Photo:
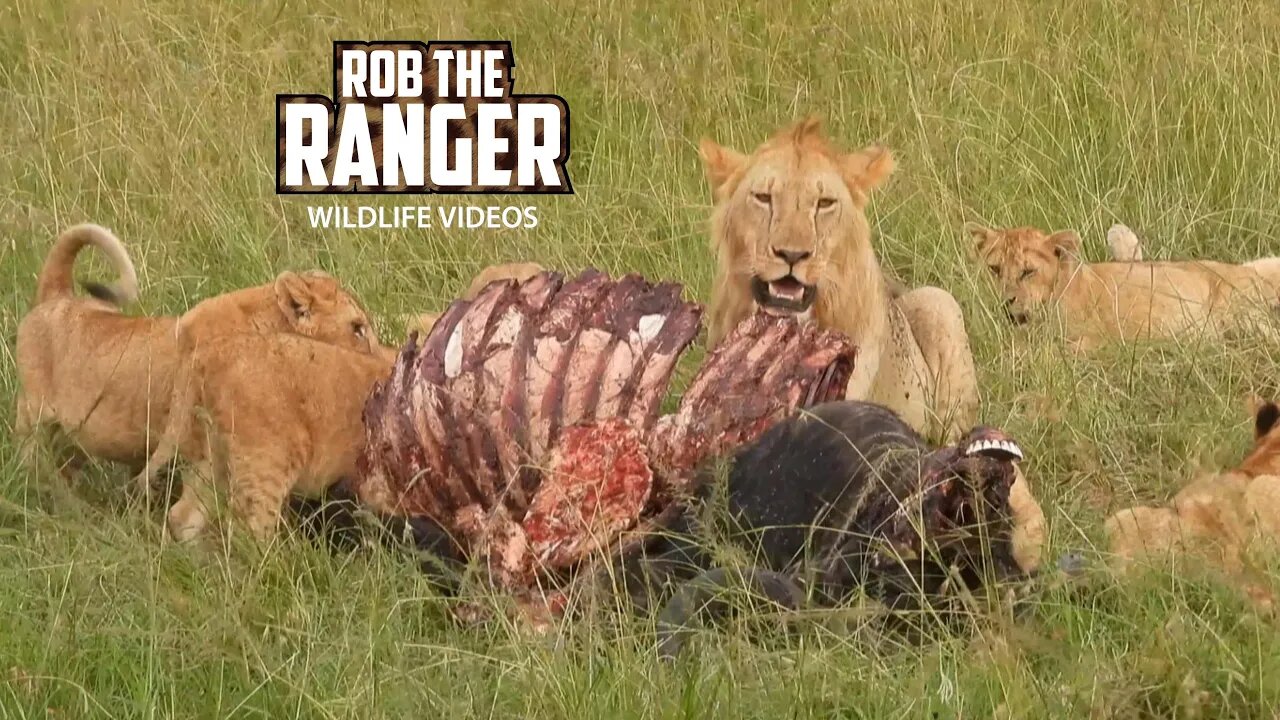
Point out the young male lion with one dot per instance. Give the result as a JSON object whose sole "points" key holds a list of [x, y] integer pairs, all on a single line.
{"points": [[790, 236], [1129, 300], [282, 414], [104, 379]]}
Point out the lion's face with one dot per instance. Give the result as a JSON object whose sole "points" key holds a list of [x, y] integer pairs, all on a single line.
{"points": [[788, 217], [1025, 263], [787, 213], [318, 307]]}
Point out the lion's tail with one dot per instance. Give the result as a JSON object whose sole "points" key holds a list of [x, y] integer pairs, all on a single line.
{"points": [[55, 277], [1124, 244]]}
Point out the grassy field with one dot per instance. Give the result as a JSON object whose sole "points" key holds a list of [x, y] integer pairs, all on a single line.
{"points": [[157, 119]]}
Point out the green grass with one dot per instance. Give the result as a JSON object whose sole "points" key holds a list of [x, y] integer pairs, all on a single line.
{"points": [[157, 119]]}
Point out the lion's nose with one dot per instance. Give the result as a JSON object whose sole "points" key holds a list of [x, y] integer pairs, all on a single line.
{"points": [[791, 257]]}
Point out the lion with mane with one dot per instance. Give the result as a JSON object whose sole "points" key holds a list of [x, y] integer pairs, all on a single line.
{"points": [[791, 236]]}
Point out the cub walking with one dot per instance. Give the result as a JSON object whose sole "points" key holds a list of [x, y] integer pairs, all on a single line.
{"points": [[103, 379], [281, 414]]}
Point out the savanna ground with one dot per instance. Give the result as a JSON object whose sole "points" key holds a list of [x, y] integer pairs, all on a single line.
{"points": [[156, 119]]}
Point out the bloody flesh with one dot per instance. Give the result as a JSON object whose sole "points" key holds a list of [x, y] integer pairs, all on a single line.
{"points": [[526, 422]]}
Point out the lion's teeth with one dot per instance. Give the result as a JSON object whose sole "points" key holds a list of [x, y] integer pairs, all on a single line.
{"points": [[787, 293]]}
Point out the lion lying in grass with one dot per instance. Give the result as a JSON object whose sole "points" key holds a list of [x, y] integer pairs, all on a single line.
{"points": [[1218, 517], [1127, 300], [790, 236], [104, 379]]}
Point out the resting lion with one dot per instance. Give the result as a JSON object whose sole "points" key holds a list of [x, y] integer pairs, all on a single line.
{"points": [[103, 379], [1219, 517], [790, 236], [1100, 302]]}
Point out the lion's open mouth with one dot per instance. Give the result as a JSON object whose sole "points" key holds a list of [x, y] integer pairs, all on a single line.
{"points": [[786, 294]]}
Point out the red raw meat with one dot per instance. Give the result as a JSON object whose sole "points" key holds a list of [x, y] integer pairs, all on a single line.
{"points": [[596, 485], [526, 423]]}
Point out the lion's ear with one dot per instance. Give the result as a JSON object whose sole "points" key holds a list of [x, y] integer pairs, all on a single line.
{"points": [[1064, 242], [982, 234], [1265, 418], [721, 164], [294, 296], [868, 168]]}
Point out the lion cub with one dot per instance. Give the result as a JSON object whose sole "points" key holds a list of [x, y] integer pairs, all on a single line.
{"points": [[1218, 516], [283, 415], [519, 272], [1128, 300], [104, 379]]}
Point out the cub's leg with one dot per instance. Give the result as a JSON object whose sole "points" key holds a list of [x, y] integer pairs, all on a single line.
{"points": [[189, 517], [24, 433], [1142, 531], [259, 484], [938, 326], [1028, 524], [33, 432]]}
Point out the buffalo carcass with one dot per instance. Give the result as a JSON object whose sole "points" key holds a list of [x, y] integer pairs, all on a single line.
{"points": [[526, 424], [844, 499]]}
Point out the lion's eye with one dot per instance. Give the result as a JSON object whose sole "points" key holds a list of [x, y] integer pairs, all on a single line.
{"points": [[826, 203], [763, 198], [1027, 273], [358, 329], [995, 269]]}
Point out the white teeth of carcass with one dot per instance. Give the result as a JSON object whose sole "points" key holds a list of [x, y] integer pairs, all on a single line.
{"points": [[1007, 446]]}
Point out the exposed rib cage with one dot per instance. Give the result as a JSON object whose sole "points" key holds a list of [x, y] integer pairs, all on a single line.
{"points": [[526, 422]]}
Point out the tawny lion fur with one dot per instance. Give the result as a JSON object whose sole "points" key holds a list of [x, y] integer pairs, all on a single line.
{"points": [[1218, 517], [281, 414], [1127, 300], [913, 347], [104, 380], [519, 272]]}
